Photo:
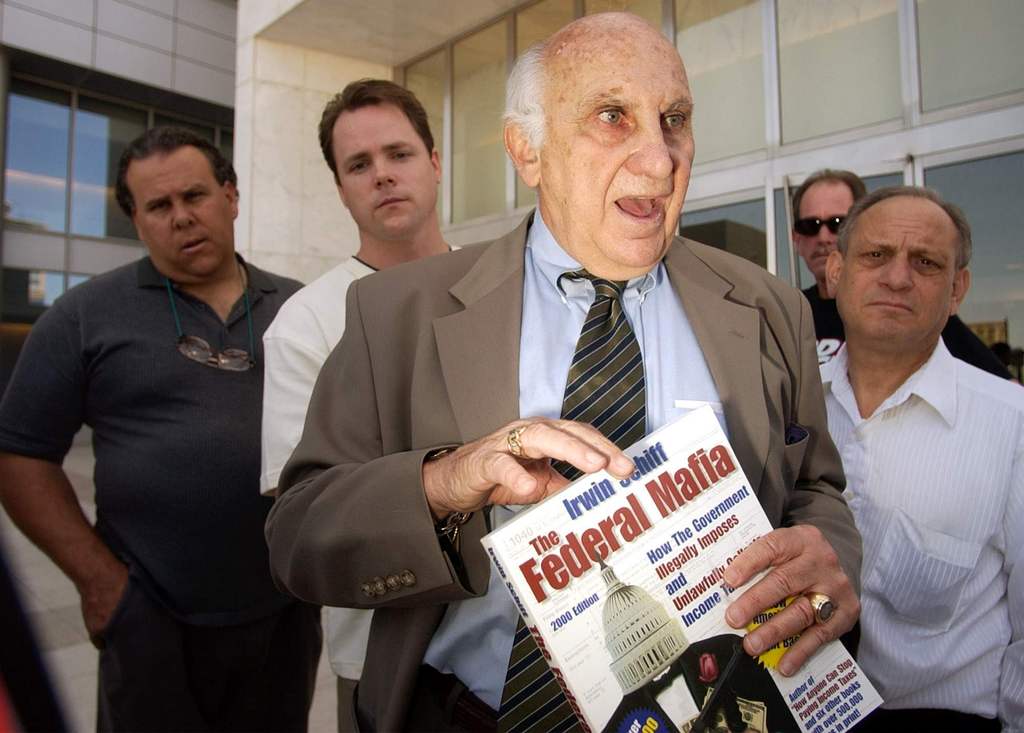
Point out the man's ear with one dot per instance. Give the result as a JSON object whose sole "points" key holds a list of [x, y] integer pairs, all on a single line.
{"points": [[833, 269], [341, 193], [961, 284], [435, 163], [231, 192], [524, 157]]}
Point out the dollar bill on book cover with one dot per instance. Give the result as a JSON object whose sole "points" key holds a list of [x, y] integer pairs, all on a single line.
{"points": [[620, 583]]}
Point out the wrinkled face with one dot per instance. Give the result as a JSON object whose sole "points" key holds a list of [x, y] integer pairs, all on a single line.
{"points": [[184, 217], [615, 162], [387, 178], [823, 200], [898, 283]]}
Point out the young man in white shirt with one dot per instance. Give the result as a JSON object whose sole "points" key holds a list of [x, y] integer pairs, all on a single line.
{"points": [[932, 448], [377, 143]]}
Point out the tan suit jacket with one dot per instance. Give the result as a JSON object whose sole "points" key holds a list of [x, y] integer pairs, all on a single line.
{"points": [[430, 358]]}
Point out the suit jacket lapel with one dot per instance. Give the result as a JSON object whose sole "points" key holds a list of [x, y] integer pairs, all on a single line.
{"points": [[479, 346], [729, 334]]}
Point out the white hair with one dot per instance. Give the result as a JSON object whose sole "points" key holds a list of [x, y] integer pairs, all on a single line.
{"points": [[524, 94]]}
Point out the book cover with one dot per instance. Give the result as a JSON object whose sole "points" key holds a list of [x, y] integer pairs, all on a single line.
{"points": [[620, 583]]}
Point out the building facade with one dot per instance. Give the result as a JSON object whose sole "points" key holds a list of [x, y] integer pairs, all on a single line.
{"points": [[80, 79], [916, 91]]}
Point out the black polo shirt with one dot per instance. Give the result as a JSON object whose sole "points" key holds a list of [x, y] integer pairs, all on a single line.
{"points": [[177, 443]]}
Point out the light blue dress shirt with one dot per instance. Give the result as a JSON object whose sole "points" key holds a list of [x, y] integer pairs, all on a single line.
{"points": [[478, 631]]}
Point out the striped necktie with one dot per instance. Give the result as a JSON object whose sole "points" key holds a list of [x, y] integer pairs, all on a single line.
{"points": [[605, 388]]}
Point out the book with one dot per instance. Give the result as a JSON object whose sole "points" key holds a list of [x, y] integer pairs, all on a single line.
{"points": [[620, 583]]}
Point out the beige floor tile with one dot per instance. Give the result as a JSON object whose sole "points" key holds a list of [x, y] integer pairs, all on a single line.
{"points": [[323, 716], [72, 662], [77, 693], [52, 602], [60, 627]]}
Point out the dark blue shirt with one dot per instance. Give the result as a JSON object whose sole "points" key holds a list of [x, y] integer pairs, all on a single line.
{"points": [[177, 443]]}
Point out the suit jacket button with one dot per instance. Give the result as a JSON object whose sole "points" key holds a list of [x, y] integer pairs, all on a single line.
{"points": [[407, 578], [379, 586], [393, 581], [368, 590]]}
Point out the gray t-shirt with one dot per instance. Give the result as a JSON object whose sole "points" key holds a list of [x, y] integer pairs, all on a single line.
{"points": [[177, 443]]}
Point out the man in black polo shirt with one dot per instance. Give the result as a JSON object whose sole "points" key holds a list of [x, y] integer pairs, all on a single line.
{"points": [[819, 206], [163, 360]]}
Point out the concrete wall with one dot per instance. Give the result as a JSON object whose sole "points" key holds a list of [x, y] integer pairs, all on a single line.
{"points": [[291, 220], [187, 46]]}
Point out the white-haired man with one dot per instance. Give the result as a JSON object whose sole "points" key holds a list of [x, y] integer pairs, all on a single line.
{"points": [[449, 396], [932, 449]]}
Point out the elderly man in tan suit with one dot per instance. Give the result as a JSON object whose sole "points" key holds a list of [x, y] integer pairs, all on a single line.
{"points": [[455, 395]]}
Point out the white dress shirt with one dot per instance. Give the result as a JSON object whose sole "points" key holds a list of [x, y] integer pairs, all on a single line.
{"points": [[936, 484], [304, 332]]}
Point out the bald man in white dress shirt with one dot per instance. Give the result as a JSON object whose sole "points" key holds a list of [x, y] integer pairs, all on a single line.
{"points": [[932, 448]]}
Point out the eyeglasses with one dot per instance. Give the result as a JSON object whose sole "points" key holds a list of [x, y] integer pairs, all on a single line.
{"points": [[232, 360], [198, 350], [812, 225]]}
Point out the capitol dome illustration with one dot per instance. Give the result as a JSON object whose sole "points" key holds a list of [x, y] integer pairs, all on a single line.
{"points": [[639, 633]]}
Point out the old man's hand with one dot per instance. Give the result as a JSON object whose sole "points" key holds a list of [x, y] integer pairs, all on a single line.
{"points": [[512, 465], [800, 561]]}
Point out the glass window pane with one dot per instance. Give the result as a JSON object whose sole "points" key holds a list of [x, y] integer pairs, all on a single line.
{"points": [[425, 79], [720, 42], [202, 130], [839, 65], [969, 50], [737, 228], [44, 287], [783, 249], [782, 229], [35, 182], [539, 21], [987, 190], [478, 99], [227, 144], [76, 278], [102, 132], [12, 338], [27, 293], [649, 10], [533, 25]]}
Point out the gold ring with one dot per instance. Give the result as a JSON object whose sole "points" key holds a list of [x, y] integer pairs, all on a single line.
{"points": [[824, 607], [515, 447]]}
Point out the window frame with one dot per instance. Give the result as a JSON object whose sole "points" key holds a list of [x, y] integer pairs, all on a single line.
{"points": [[905, 144], [25, 248]]}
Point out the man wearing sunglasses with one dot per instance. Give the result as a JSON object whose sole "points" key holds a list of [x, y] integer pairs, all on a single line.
{"points": [[820, 206], [162, 359]]}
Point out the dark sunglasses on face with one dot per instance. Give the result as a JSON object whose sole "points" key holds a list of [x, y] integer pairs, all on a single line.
{"points": [[812, 225]]}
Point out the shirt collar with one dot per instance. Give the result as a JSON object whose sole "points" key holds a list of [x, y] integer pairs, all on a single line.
{"points": [[552, 261], [934, 383], [149, 277]]}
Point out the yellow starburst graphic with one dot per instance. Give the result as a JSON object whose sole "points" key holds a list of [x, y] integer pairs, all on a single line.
{"points": [[770, 657]]}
